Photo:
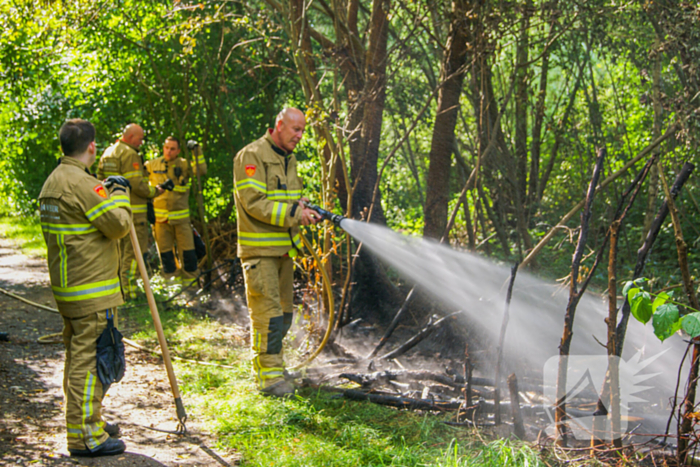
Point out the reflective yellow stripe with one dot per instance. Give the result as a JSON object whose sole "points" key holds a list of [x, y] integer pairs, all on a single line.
{"points": [[297, 241], [63, 261], [121, 200], [88, 392], [181, 188], [264, 239], [279, 210], [131, 280], [139, 208], [86, 291], [103, 207], [161, 213], [200, 159], [133, 174], [278, 195], [251, 183], [67, 229], [109, 174], [179, 214], [151, 191]]}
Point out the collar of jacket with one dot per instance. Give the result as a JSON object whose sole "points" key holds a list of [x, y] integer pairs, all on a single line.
{"points": [[128, 145], [275, 148], [65, 160]]}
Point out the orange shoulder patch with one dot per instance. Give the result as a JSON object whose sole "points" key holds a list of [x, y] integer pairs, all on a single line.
{"points": [[250, 170], [136, 165], [100, 190]]}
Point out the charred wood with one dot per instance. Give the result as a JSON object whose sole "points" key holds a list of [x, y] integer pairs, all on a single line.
{"points": [[518, 427], [501, 340], [401, 402], [415, 340]]}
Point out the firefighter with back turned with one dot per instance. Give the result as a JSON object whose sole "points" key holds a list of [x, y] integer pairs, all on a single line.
{"points": [[122, 158], [82, 220]]}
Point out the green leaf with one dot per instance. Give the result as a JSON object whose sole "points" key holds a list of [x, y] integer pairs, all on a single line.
{"points": [[666, 321], [640, 306], [631, 293], [627, 288], [660, 300], [691, 324]]}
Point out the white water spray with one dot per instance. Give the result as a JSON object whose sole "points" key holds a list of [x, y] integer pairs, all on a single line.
{"points": [[477, 286]]}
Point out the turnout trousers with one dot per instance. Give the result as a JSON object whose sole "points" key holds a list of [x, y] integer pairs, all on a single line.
{"points": [[269, 291], [81, 386], [129, 270], [184, 263]]}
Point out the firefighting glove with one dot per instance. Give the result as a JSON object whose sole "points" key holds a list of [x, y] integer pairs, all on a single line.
{"points": [[116, 182], [191, 144], [167, 185]]}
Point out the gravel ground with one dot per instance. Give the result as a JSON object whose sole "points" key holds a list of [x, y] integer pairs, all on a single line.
{"points": [[32, 429]]}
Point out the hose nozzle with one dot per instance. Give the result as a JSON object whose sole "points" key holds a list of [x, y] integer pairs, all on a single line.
{"points": [[327, 215]]}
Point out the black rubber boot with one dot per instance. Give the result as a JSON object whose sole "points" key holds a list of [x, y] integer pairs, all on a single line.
{"points": [[111, 447]]}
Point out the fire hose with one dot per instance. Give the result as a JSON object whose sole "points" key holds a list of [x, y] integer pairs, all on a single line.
{"points": [[336, 219]]}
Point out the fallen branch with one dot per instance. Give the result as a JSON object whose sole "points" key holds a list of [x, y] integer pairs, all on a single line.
{"points": [[383, 377], [401, 402], [415, 340]]}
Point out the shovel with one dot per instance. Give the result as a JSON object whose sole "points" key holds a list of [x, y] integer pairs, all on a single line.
{"points": [[181, 414]]}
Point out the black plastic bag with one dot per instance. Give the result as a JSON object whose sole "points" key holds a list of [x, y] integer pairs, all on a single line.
{"points": [[111, 362], [200, 249]]}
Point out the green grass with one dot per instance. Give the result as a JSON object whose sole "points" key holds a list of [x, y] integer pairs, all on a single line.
{"points": [[315, 428], [25, 232]]}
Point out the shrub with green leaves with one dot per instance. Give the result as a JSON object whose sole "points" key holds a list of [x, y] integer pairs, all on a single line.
{"points": [[663, 311]]}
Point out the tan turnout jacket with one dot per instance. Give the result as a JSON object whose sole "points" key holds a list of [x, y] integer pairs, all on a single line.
{"points": [[267, 190], [173, 206], [82, 222], [123, 159]]}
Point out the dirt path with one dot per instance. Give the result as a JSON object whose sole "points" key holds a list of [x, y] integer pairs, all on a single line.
{"points": [[32, 429]]}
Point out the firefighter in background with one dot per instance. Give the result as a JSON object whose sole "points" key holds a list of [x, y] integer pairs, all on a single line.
{"points": [[173, 228], [123, 158], [267, 194], [82, 221]]}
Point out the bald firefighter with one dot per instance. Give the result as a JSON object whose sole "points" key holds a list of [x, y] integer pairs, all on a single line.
{"points": [[123, 158], [267, 194], [82, 221], [172, 209]]}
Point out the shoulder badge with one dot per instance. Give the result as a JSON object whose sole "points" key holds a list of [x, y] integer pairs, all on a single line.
{"points": [[136, 165], [100, 190], [250, 170]]}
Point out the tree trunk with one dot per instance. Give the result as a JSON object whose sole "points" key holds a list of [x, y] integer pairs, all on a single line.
{"points": [[533, 190], [438, 186], [653, 189], [521, 106], [688, 408], [364, 163], [574, 297]]}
